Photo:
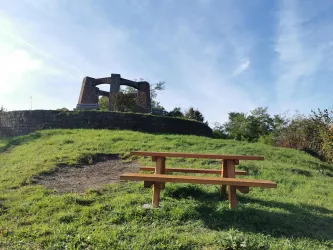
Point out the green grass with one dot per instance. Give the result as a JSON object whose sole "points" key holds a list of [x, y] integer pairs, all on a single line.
{"points": [[296, 215]]}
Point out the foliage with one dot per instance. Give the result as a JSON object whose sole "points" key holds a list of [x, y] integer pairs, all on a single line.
{"points": [[157, 108], [63, 109], [219, 131], [296, 215], [104, 103], [301, 133], [267, 139], [324, 121], [251, 127], [327, 144], [155, 88], [310, 134], [3, 109], [125, 100], [194, 114], [176, 112]]}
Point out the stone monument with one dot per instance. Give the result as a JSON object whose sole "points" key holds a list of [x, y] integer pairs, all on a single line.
{"points": [[90, 93]]}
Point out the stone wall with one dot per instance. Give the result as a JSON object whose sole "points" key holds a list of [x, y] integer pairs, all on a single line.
{"points": [[23, 122]]}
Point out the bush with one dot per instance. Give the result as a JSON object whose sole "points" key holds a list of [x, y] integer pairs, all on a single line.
{"points": [[267, 139], [327, 145]]}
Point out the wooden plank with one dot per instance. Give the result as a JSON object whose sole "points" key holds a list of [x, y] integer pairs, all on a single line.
{"points": [[224, 173], [198, 180], [232, 189], [203, 156], [192, 170]]}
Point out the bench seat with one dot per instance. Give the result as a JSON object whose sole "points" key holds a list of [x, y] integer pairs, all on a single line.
{"points": [[198, 180], [193, 170]]}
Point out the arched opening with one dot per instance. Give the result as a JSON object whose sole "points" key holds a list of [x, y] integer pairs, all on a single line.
{"points": [[134, 97]]}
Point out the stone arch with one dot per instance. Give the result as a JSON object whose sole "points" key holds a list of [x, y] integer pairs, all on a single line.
{"points": [[90, 93]]}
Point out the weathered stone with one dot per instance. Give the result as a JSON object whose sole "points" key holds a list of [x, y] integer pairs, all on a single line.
{"points": [[23, 122], [90, 93]]}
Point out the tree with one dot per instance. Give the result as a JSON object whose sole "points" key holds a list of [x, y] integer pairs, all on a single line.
{"points": [[125, 100], [155, 88], [252, 126], [176, 112], [63, 109], [3, 109], [259, 123], [104, 103], [236, 126], [194, 114], [219, 131]]}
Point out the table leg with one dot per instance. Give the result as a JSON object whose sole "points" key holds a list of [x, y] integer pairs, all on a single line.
{"points": [[160, 169], [224, 173], [232, 189]]}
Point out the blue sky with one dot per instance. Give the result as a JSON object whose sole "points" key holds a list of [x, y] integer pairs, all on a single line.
{"points": [[217, 56]]}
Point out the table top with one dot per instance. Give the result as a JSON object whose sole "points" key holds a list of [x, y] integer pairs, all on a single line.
{"points": [[194, 155]]}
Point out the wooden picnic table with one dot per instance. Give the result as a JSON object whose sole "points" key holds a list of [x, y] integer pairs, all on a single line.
{"points": [[227, 174]]}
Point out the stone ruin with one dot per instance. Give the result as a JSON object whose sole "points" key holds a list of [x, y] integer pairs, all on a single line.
{"points": [[90, 93]]}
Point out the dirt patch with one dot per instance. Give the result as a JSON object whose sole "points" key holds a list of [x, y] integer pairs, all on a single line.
{"points": [[79, 178]]}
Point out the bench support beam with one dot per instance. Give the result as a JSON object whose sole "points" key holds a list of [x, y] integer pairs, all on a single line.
{"points": [[232, 189], [192, 170], [158, 186], [224, 173]]}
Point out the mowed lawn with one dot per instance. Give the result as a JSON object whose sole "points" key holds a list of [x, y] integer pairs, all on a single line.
{"points": [[296, 215]]}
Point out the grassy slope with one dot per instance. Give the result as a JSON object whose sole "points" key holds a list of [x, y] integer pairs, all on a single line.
{"points": [[296, 215]]}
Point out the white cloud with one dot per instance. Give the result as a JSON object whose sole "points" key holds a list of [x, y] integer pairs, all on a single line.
{"points": [[244, 65], [301, 53]]}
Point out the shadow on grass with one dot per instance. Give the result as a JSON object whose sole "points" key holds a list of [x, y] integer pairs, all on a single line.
{"points": [[19, 140], [273, 218], [3, 208]]}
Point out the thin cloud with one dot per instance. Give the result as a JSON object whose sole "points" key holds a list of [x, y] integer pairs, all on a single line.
{"points": [[242, 67], [300, 55]]}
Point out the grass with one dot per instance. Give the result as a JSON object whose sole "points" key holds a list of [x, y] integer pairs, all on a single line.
{"points": [[296, 215]]}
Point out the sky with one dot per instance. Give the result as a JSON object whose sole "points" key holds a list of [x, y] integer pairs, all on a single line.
{"points": [[217, 56]]}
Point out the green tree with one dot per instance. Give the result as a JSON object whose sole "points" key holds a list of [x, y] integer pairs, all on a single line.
{"points": [[194, 114], [104, 103], [176, 112], [63, 109], [219, 131], [252, 126], [259, 123], [125, 100], [236, 125]]}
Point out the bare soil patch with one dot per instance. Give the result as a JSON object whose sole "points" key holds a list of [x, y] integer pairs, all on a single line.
{"points": [[77, 179]]}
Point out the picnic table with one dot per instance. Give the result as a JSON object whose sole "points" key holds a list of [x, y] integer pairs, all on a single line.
{"points": [[227, 174]]}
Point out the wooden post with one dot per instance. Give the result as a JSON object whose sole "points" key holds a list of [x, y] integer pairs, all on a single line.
{"points": [[224, 173], [232, 189], [244, 190], [161, 162], [160, 169]]}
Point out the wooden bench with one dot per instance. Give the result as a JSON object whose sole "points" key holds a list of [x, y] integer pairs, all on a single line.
{"points": [[148, 184], [227, 173], [192, 170]]}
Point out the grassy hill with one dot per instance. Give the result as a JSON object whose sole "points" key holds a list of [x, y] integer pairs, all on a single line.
{"points": [[296, 215]]}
